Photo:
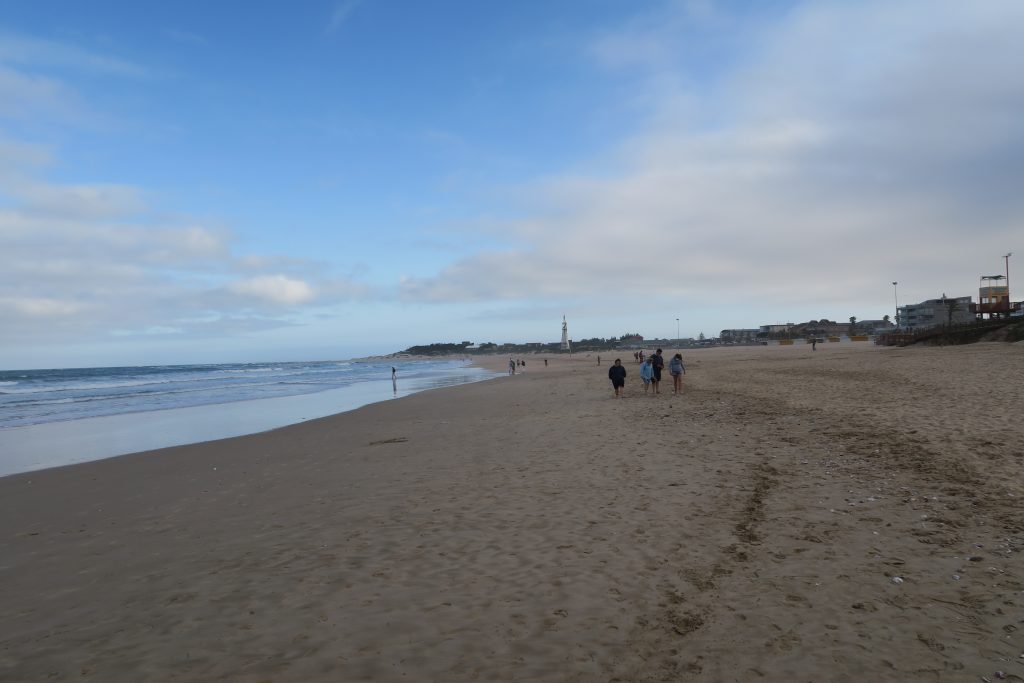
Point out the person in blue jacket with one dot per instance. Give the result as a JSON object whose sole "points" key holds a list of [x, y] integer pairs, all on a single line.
{"points": [[617, 374], [646, 374]]}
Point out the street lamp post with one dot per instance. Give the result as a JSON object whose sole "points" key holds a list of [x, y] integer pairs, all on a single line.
{"points": [[677, 333], [897, 300], [1009, 301]]}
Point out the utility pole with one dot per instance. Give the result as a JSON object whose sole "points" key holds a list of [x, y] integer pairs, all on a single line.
{"points": [[897, 299]]}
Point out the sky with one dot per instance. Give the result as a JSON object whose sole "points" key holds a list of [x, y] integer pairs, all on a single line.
{"points": [[196, 182]]}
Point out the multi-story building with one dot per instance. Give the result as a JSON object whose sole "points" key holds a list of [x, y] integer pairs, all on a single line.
{"points": [[737, 335], [936, 312], [993, 296]]}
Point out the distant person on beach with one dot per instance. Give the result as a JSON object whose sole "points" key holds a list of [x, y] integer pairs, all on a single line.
{"points": [[814, 345], [657, 364], [545, 362], [641, 355], [646, 373], [599, 360], [393, 373], [511, 366], [677, 370], [617, 374]]}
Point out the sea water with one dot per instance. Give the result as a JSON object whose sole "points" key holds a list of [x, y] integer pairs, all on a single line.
{"points": [[57, 417]]}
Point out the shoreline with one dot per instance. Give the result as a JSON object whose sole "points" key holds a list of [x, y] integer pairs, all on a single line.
{"points": [[537, 528], [36, 447]]}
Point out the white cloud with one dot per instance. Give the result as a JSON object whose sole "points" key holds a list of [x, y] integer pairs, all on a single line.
{"points": [[33, 75], [23, 96], [35, 52], [82, 201], [20, 155], [36, 307], [278, 289], [152, 331]]}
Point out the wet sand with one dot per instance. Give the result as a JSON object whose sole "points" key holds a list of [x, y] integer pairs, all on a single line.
{"points": [[535, 528]]}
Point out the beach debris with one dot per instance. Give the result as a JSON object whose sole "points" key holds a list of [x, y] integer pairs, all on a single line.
{"points": [[897, 580], [397, 439], [956, 577]]}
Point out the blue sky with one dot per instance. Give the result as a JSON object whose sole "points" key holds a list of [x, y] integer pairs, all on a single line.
{"points": [[208, 182]]}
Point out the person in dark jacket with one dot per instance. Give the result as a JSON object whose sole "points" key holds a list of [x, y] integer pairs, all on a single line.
{"points": [[657, 363], [617, 374]]}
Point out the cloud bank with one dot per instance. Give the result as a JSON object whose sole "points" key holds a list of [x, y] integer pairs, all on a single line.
{"points": [[846, 145], [87, 262], [80, 261]]}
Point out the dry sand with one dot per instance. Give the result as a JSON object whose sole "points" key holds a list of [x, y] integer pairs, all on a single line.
{"points": [[535, 528]]}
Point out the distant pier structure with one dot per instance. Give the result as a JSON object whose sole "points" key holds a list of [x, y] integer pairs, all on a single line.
{"points": [[566, 346]]}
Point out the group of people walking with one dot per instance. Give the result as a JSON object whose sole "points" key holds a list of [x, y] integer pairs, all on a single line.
{"points": [[520, 364], [650, 373]]}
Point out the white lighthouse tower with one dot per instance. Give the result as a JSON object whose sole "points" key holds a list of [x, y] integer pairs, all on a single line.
{"points": [[565, 336]]}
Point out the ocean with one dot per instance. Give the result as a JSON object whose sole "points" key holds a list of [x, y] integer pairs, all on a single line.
{"points": [[57, 417]]}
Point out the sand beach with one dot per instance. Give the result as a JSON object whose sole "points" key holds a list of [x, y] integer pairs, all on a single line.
{"points": [[850, 514]]}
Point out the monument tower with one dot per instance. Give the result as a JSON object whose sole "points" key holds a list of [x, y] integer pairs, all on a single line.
{"points": [[565, 336]]}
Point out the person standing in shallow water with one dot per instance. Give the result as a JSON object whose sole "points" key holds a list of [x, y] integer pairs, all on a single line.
{"points": [[617, 374], [677, 370]]}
